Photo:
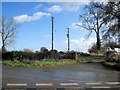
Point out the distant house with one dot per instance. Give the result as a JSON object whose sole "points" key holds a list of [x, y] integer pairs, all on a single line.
{"points": [[110, 49], [117, 50]]}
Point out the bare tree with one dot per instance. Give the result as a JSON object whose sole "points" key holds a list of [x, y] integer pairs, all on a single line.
{"points": [[112, 16], [8, 31], [112, 45], [92, 21]]}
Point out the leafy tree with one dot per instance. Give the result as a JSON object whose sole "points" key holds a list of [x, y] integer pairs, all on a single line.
{"points": [[112, 45], [36, 51], [27, 50], [61, 52], [92, 21], [44, 49], [54, 51], [93, 49], [7, 31]]}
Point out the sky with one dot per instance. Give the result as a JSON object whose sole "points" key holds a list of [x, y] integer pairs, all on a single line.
{"points": [[35, 19]]}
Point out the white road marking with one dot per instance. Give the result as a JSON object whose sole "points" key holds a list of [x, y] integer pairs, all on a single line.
{"points": [[44, 84], [93, 83], [16, 84], [113, 82], [69, 84], [102, 87]]}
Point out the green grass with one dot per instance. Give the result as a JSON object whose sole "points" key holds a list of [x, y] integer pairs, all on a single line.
{"points": [[34, 63], [47, 62], [94, 58], [110, 63], [0, 62]]}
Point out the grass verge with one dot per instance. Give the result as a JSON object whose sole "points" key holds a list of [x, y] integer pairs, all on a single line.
{"points": [[112, 65], [50, 62], [37, 63], [0, 62], [93, 58]]}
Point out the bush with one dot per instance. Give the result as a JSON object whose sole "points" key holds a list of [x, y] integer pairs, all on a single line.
{"points": [[19, 55], [26, 61], [23, 56], [36, 63], [67, 56], [112, 56]]}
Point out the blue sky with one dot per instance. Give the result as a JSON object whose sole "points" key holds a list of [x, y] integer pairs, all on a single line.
{"points": [[35, 29]]}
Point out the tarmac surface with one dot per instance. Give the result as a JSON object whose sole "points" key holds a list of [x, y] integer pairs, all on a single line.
{"points": [[77, 75]]}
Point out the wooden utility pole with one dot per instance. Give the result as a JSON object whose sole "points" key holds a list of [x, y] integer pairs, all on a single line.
{"points": [[68, 41], [52, 32]]}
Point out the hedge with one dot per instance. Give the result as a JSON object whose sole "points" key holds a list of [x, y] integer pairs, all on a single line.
{"points": [[20, 55]]}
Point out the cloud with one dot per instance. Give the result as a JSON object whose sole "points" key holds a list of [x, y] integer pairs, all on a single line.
{"points": [[76, 25], [73, 6], [38, 6], [25, 17], [92, 25], [82, 44], [55, 9], [109, 24]]}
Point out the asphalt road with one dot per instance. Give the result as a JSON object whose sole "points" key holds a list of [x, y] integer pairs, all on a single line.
{"points": [[78, 75]]}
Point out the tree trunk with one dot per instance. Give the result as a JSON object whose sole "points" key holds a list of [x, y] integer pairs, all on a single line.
{"points": [[98, 36], [119, 30], [3, 47], [98, 42]]}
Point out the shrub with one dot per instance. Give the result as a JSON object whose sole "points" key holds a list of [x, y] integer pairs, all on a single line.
{"points": [[36, 63], [26, 61], [19, 55], [112, 56]]}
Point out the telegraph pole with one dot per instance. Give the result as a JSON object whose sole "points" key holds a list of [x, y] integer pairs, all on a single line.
{"points": [[52, 32], [68, 40]]}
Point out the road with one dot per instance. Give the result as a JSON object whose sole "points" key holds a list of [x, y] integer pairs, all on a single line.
{"points": [[81, 75]]}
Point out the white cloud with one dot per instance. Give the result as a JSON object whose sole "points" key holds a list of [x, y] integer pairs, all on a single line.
{"points": [[72, 6], [38, 6], [82, 44], [36, 16], [110, 24], [77, 25], [55, 9]]}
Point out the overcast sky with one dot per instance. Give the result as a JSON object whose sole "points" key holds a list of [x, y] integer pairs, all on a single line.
{"points": [[35, 31]]}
